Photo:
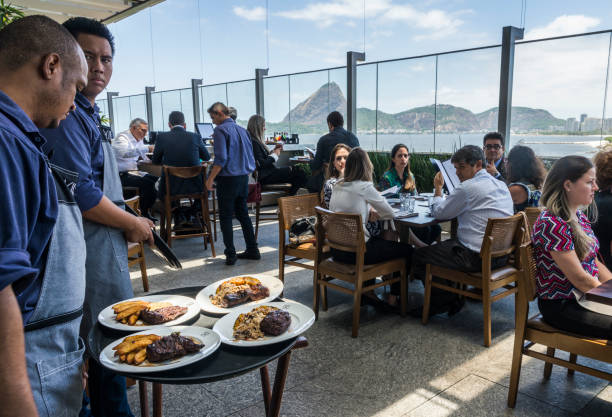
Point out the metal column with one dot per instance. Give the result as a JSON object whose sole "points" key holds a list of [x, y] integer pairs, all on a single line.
{"points": [[111, 112], [149, 105], [351, 89], [259, 90], [509, 36], [195, 98]]}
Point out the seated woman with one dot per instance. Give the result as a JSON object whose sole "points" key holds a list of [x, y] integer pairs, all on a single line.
{"points": [[565, 250], [355, 193], [400, 175], [525, 177], [335, 170], [603, 198], [265, 161]]}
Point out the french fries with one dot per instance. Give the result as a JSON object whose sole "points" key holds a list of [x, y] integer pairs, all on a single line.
{"points": [[128, 312], [133, 349]]}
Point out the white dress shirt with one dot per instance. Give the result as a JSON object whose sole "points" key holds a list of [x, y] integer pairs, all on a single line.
{"points": [[127, 151], [474, 202], [356, 197]]}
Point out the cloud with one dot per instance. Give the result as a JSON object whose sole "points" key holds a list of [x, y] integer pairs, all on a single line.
{"points": [[325, 14], [564, 25], [256, 13], [438, 22]]}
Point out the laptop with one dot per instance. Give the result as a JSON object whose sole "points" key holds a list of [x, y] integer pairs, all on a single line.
{"points": [[205, 130]]}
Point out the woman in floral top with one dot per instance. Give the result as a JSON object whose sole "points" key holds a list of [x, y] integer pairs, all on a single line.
{"points": [[565, 250]]}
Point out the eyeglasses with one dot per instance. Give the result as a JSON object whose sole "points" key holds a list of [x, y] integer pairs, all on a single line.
{"points": [[495, 146]]}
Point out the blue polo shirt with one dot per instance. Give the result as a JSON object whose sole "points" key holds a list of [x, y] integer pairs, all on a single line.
{"points": [[233, 149], [28, 208], [77, 146]]}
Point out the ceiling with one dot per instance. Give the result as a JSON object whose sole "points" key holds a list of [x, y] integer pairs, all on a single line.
{"points": [[107, 11]]}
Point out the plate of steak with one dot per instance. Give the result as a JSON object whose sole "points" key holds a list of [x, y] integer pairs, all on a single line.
{"points": [[160, 349], [225, 295]]}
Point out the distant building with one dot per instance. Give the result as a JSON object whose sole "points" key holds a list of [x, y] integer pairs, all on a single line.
{"points": [[571, 125]]}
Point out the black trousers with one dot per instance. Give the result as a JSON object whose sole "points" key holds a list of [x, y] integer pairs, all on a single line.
{"points": [[293, 175], [232, 197], [570, 316], [378, 250], [450, 254], [146, 188]]}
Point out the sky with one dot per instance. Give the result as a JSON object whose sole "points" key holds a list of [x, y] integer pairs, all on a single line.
{"points": [[167, 45]]}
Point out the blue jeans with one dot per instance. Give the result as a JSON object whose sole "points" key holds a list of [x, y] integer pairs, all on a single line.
{"points": [[108, 393], [232, 195]]}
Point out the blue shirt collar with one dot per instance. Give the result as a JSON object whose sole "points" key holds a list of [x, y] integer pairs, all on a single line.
{"points": [[228, 120], [82, 102], [498, 162], [11, 110]]}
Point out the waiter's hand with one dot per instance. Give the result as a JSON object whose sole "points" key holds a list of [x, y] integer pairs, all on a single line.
{"points": [[210, 182], [151, 148], [140, 231]]}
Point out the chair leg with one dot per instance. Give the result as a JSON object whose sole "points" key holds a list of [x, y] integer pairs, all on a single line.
{"points": [[427, 296], [315, 295], [208, 235], [143, 269], [257, 209], [214, 214], [169, 230], [550, 351], [515, 371], [324, 290], [486, 306], [404, 292], [572, 359], [356, 306]]}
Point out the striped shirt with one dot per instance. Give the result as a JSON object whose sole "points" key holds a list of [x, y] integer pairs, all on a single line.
{"points": [[552, 233], [473, 203]]}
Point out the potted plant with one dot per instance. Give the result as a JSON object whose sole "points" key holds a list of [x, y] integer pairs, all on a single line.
{"points": [[9, 13]]}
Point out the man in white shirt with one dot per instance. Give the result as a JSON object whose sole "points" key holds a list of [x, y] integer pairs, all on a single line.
{"points": [[479, 197], [129, 148]]}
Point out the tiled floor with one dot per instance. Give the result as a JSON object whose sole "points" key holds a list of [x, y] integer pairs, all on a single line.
{"points": [[396, 367]]}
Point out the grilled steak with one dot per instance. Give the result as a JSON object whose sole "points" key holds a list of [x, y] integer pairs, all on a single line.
{"points": [[254, 293], [173, 346], [276, 322], [162, 315]]}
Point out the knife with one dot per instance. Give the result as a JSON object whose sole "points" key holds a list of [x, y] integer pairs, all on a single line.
{"points": [[161, 249]]}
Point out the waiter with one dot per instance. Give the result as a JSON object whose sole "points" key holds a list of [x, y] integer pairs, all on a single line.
{"points": [[83, 145], [42, 255]]}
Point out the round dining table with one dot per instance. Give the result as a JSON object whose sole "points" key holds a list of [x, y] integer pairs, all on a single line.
{"points": [[226, 362]]}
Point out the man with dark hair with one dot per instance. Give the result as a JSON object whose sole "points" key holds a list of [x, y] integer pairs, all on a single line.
{"points": [[82, 144], [478, 198], [234, 161], [493, 145], [179, 148], [337, 134], [41, 236]]}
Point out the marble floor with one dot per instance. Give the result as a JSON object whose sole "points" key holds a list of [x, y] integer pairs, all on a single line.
{"points": [[396, 367]]}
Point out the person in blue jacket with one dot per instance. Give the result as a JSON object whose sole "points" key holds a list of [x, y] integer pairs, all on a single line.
{"points": [[41, 237]]}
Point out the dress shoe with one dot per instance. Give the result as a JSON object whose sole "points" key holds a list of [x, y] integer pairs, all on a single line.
{"points": [[230, 260], [249, 255]]}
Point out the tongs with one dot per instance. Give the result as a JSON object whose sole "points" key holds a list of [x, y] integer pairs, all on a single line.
{"points": [[161, 249]]}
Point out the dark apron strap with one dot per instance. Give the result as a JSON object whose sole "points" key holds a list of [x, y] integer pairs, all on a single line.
{"points": [[52, 321]]}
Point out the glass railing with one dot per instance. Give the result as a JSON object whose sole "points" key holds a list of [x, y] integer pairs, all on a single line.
{"points": [[431, 103]]}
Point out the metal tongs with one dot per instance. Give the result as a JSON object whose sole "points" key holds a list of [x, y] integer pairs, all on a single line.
{"points": [[161, 249]]}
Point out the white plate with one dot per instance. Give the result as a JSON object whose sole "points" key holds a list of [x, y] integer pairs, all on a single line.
{"points": [[275, 286], [207, 336], [107, 316], [302, 318]]}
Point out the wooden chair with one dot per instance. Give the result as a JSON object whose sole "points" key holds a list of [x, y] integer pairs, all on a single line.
{"points": [[344, 231], [136, 250], [502, 237], [291, 209], [203, 227], [532, 214], [536, 331]]}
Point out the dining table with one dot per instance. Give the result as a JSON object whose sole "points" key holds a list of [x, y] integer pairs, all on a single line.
{"points": [[601, 294], [225, 363], [420, 216]]}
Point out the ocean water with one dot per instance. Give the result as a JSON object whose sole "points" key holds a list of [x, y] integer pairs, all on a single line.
{"points": [[543, 145]]}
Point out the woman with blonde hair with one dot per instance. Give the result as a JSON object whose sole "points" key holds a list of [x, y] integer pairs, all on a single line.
{"points": [[265, 160], [356, 194], [565, 250]]}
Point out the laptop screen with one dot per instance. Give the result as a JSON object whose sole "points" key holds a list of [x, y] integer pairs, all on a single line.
{"points": [[205, 130]]}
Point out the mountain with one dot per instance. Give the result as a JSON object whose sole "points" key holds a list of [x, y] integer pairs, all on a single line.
{"points": [[310, 116]]}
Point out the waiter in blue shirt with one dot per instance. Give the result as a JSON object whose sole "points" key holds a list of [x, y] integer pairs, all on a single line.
{"points": [[82, 144], [234, 161], [42, 255]]}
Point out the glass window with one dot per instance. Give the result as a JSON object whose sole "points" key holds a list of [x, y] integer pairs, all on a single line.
{"points": [[211, 94], [241, 95], [309, 102], [366, 106], [276, 108]]}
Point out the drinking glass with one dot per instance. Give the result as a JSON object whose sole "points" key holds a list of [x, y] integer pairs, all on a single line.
{"points": [[411, 204], [403, 197]]}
